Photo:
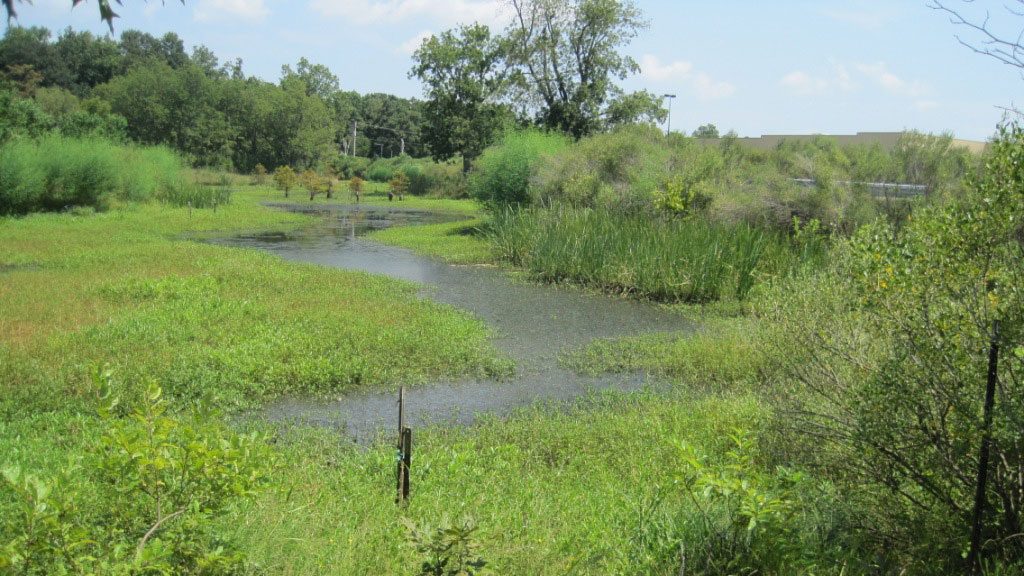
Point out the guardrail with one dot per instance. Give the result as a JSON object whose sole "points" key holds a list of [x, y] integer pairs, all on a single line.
{"points": [[881, 189]]}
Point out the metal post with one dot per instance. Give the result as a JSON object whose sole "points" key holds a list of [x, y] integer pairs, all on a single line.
{"points": [[974, 556], [668, 127], [404, 456]]}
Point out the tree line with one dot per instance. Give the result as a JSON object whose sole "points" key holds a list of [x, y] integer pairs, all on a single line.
{"points": [[151, 90]]}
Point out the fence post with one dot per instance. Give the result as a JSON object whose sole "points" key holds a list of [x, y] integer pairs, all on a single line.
{"points": [[404, 457], [974, 556]]}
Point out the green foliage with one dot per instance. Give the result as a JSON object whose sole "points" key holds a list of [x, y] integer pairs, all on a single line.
{"points": [[355, 185], [285, 179], [747, 518], [568, 55], [350, 166], [399, 185], [259, 174], [669, 260], [894, 373], [502, 174], [462, 76], [53, 173], [449, 550], [706, 131], [160, 480]]}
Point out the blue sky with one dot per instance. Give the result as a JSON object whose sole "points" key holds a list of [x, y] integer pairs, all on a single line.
{"points": [[753, 66]]}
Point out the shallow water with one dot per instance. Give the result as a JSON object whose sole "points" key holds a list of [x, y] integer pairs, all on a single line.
{"points": [[532, 325]]}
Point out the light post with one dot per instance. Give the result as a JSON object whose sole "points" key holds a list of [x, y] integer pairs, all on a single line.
{"points": [[668, 127]]}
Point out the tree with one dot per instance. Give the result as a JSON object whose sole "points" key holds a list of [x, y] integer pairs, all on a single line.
{"points": [[1007, 49], [355, 184], [399, 184], [319, 79], [313, 183], [708, 130], [463, 77], [285, 178], [566, 53], [641, 107]]}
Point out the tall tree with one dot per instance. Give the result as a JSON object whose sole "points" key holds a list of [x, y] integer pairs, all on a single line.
{"points": [[463, 75], [568, 56]]}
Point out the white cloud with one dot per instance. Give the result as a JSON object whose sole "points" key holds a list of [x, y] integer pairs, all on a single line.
{"points": [[804, 84], [680, 71], [711, 89], [207, 10], [489, 12], [652, 69], [413, 44], [880, 74]]}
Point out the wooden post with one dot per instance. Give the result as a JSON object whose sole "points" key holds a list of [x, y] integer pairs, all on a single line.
{"points": [[974, 556]]}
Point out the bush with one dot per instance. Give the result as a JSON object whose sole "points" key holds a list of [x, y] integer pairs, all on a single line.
{"points": [[893, 361], [502, 174], [142, 501], [348, 167]]}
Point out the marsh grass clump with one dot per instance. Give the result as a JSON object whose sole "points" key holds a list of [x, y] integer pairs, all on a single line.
{"points": [[672, 260], [56, 173]]}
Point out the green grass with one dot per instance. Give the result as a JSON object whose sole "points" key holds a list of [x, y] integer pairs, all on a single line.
{"points": [[54, 173], [454, 242], [123, 288], [596, 490], [681, 260], [724, 353]]}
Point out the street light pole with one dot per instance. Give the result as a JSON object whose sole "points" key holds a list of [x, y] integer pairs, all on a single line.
{"points": [[668, 127]]}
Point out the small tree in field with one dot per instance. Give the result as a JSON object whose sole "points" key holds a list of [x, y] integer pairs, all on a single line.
{"points": [[312, 182], [399, 184], [285, 178], [259, 175], [356, 186]]}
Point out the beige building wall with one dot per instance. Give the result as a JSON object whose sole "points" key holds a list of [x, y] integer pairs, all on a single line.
{"points": [[886, 140]]}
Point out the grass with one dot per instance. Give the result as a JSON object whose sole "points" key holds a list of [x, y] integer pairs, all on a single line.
{"points": [[454, 242], [682, 260], [123, 288], [55, 173], [726, 353], [592, 491]]}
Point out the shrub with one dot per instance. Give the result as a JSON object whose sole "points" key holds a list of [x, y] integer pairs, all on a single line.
{"points": [[156, 482], [350, 166], [259, 175], [503, 173], [894, 359]]}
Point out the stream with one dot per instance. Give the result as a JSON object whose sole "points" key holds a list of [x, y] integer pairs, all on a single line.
{"points": [[532, 323]]}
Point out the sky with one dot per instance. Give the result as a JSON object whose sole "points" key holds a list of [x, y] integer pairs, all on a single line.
{"points": [[756, 67]]}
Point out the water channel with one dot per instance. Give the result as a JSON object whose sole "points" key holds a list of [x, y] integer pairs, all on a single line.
{"points": [[533, 324]]}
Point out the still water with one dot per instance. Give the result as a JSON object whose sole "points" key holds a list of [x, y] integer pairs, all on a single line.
{"points": [[533, 324]]}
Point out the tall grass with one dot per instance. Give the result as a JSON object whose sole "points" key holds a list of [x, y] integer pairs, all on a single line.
{"points": [[54, 172], [687, 260]]}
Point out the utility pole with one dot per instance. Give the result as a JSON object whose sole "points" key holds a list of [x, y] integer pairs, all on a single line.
{"points": [[668, 127], [402, 149], [354, 123]]}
